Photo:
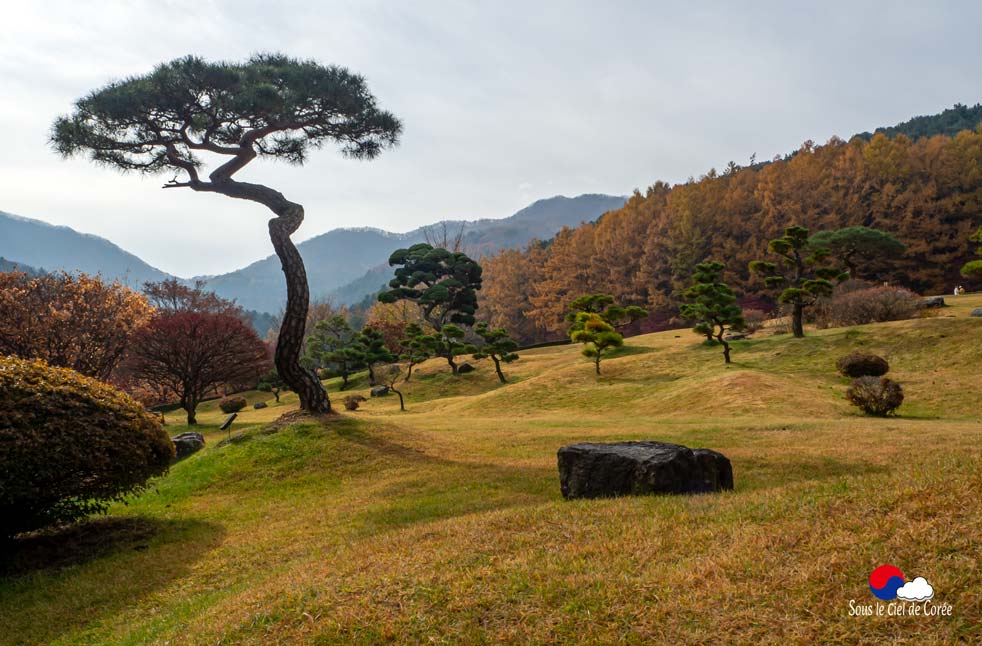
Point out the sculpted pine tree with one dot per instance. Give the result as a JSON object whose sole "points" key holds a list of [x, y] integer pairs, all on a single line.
{"points": [[800, 270], [270, 106], [498, 346], [861, 250], [712, 305]]}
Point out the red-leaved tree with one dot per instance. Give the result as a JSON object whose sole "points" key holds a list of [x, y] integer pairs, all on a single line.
{"points": [[188, 354]]}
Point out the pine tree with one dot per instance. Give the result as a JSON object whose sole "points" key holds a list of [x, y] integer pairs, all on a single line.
{"points": [[806, 280], [370, 344], [498, 346], [597, 336], [273, 106], [416, 347], [333, 345], [713, 305]]}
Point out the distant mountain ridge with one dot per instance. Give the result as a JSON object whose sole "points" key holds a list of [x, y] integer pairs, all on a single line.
{"points": [[344, 263], [34, 243], [948, 122]]}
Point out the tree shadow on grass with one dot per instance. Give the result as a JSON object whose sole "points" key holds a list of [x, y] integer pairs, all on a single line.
{"points": [[57, 581]]}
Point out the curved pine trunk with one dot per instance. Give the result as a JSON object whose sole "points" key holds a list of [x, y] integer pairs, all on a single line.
{"points": [[312, 395]]}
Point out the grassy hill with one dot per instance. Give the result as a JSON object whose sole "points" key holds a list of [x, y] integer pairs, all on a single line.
{"points": [[445, 524]]}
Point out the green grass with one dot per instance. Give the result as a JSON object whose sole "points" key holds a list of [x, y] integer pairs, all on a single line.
{"points": [[445, 525]]}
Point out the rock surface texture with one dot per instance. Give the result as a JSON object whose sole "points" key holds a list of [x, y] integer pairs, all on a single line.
{"points": [[590, 470], [187, 443]]}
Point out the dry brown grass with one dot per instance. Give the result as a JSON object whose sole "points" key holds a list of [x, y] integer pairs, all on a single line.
{"points": [[445, 525]]}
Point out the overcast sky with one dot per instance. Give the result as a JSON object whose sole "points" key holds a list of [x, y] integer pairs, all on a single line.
{"points": [[503, 103]]}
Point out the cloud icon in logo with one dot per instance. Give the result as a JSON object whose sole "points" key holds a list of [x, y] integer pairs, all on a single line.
{"points": [[917, 590]]}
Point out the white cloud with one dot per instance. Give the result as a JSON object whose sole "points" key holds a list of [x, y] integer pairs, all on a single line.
{"points": [[917, 590]]}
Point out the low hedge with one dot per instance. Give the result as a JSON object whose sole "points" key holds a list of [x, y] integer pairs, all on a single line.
{"points": [[69, 446]]}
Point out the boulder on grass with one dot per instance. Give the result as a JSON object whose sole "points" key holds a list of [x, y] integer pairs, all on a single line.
{"points": [[259, 405], [976, 312], [187, 443], [380, 391], [933, 301], [592, 470], [464, 368]]}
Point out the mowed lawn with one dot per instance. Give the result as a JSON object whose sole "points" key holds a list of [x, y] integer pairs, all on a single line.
{"points": [[445, 524]]}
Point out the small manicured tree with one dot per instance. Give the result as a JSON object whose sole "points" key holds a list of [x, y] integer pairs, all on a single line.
{"points": [[603, 305], [877, 396], [973, 268], [597, 336], [498, 346], [333, 344], [800, 270], [272, 383], [449, 343], [389, 375], [372, 348], [713, 305], [443, 283], [861, 250], [416, 347]]}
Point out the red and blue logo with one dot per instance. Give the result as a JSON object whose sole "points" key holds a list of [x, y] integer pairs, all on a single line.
{"points": [[884, 582], [887, 583]]}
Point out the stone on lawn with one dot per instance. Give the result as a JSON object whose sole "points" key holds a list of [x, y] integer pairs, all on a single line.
{"points": [[976, 312], [597, 470], [464, 368], [380, 391], [259, 405], [933, 301], [187, 443]]}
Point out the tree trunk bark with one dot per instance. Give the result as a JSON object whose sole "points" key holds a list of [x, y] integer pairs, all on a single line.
{"points": [[409, 372], [190, 407], [453, 365], [597, 362], [308, 387], [497, 368], [797, 327], [402, 405]]}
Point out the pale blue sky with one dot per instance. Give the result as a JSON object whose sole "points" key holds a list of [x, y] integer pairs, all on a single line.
{"points": [[503, 103]]}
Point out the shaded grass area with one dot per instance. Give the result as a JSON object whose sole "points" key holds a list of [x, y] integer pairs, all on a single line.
{"points": [[444, 524]]}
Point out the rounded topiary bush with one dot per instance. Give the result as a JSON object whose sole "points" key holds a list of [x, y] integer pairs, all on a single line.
{"points": [[69, 446], [875, 395], [232, 404], [862, 364]]}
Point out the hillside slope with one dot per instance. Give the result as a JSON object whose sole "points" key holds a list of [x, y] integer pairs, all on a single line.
{"points": [[445, 525], [45, 246]]}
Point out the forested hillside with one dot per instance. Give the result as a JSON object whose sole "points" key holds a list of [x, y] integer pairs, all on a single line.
{"points": [[926, 192], [949, 122]]}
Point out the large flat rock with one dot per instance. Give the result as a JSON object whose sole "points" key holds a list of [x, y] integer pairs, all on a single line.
{"points": [[605, 470]]}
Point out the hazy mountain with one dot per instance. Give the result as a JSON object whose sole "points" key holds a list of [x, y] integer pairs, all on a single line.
{"points": [[24, 241], [7, 265], [346, 264]]}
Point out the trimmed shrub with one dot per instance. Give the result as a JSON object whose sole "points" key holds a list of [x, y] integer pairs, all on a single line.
{"points": [[70, 446], [862, 364], [875, 395], [871, 305], [351, 402], [232, 404]]}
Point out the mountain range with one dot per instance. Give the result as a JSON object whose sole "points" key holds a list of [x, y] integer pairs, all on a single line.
{"points": [[343, 264]]}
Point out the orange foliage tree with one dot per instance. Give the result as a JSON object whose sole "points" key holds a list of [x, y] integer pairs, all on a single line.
{"points": [[69, 320]]}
